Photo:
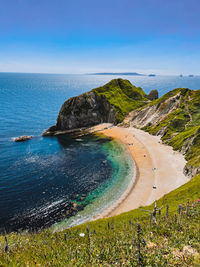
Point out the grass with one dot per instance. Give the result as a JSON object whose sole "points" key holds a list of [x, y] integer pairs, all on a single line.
{"points": [[123, 96], [181, 91], [182, 125], [119, 240], [194, 107], [168, 236]]}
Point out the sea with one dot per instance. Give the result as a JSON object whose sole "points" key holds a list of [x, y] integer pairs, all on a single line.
{"points": [[60, 181]]}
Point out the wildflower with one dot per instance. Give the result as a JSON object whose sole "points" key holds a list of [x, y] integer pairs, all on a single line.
{"points": [[184, 212], [198, 200], [82, 234], [192, 205]]}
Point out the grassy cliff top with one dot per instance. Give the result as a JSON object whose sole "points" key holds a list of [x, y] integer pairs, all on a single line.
{"points": [[132, 238], [124, 96], [182, 125]]}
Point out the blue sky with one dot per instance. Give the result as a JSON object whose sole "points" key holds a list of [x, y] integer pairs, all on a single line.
{"points": [[81, 36]]}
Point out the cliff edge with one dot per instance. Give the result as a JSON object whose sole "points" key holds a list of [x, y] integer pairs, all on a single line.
{"points": [[109, 103], [176, 118]]}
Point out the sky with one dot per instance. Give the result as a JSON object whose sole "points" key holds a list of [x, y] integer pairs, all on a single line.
{"points": [[87, 36]]}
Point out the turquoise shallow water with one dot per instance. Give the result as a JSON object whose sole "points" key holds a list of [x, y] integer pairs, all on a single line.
{"points": [[39, 178], [111, 190]]}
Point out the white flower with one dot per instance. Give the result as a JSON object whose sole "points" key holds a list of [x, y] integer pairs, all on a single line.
{"points": [[82, 234]]}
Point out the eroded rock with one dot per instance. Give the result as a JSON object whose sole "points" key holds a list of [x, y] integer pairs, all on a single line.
{"points": [[22, 138], [152, 95]]}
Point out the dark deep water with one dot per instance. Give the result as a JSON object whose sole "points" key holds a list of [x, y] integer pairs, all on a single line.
{"points": [[40, 178], [44, 175]]}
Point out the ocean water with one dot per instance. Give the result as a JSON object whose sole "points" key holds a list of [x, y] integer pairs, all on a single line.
{"points": [[40, 178]]}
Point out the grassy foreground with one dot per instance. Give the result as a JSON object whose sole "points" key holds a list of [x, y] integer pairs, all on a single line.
{"points": [[137, 238]]}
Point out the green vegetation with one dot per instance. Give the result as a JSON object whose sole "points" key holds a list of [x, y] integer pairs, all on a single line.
{"points": [[162, 99], [164, 236], [173, 240], [182, 126], [194, 107], [123, 96]]}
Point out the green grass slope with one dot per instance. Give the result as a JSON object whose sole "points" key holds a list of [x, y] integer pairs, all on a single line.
{"points": [[118, 241], [182, 126], [166, 236], [124, 96]]}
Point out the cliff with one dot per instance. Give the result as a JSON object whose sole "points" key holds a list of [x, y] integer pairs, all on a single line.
{"points": [[108, 103], [176, 117], [173, 241], [85, 110]]}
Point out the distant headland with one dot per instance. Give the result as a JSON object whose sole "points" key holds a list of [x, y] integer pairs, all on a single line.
{"points": [[117, 73]]}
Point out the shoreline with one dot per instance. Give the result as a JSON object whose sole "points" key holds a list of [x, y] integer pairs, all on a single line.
{"points": [[106, 197], [151, 160], [108, 211]]}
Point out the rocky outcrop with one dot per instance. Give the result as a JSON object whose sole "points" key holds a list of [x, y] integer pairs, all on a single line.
{"points": [[153, 114], [191, 171], [106, 104], [174, 117], [152, 95], [188, 145], [52, 131], [84, 111], [22, 138]]}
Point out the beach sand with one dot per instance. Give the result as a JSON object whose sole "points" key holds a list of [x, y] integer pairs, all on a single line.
{"points": [[159, 169]]}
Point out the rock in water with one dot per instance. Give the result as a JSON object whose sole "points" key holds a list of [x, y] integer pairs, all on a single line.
{"points": [[23, 138]]}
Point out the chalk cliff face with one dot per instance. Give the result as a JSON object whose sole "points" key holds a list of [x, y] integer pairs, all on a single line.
{"points": [[176, 118], [85, 110], [153, 114]]}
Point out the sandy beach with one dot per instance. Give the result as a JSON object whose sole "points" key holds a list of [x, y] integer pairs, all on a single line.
{"points": [[159, 169]]}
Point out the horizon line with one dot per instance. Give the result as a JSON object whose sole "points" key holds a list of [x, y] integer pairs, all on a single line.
{"points": [[128, 73]]}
